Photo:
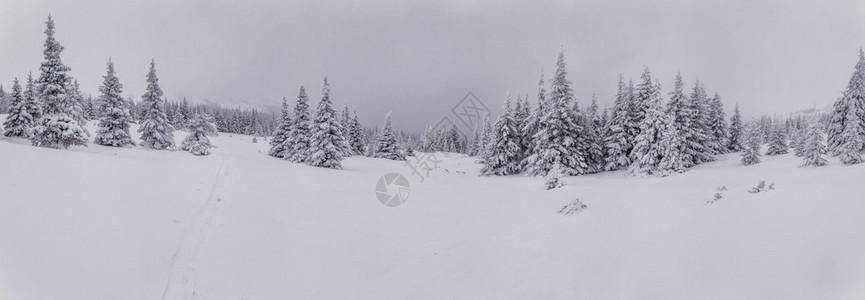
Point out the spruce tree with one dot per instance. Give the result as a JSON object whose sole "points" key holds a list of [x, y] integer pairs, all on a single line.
{"points": [[533, 124], [283, 131], [734, 143], [386, 145], [197, 142], [777, 142], [717, 125], [486, 139], [77, 105], [673, 159], [699, 133], [851, 140], [797, 141], [297, 143], [114, 123], [616, 142], [593, 134], [156, 132], [815, 149], [327, 145], [557, 140], [19, 120], [680, 110], [853, 97], [355, 139], [647, 153], [636, 113], [502, 158], [752, 152], [56, 128]]}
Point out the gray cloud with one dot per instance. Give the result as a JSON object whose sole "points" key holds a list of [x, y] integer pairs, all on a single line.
{"points": [[420, 58]]}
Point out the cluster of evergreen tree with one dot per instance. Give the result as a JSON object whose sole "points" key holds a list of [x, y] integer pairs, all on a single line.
{"points": [[640, 133], [846, 128], [322, 139], [52, 112]]}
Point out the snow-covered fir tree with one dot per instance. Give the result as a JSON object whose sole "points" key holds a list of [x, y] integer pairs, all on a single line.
{"points": [[522, 115], [200, 126], [797, 141], [558, 140], [717, 125], [636, 112], [278, 148], [616, 143], [592, 133], [681, 112], [699, 133], [114, 122], [533, 124], [156, 132], [297, 143], [345, 121], [734, 141], [502, 157], [851, 140], [57, 128], [19, 120], [326, 144], [386, 145], [553, 178], [355, 138], [853, 98], [777, 142], [486, 138], [77, 103], [647, 153], [815, 148], [752, 148], [673, 159]]}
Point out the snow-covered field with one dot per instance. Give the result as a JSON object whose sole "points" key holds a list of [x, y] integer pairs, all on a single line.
{"points": [[108, 223]]}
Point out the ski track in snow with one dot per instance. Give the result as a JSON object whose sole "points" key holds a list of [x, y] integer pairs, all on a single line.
{"points": [[183, 278]]}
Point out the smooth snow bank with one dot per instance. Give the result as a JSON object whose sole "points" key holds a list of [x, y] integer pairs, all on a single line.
{"points": [[109, 223]]}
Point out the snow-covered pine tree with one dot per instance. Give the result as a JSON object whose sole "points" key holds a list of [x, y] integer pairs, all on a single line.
{"points": [[502, 158], [486, 139], [19, 120], [592, 131], [753, 140], [4, 106], [777, 142], [522, 113], [533, 124], [77, 104], [297, 143], [717, 125], [734, 143], [327, 144], [197, 142], [673, 159], [558, 138], [699, 134], [853, 95], [56, 128], [681, 112], [636, 112], [345, 121], [278, 148], [815, 149], [156, 132], [851, 140], [616, 140], [355, 138], [386, 145], [114, 122], [797, 141], [647, 153]]}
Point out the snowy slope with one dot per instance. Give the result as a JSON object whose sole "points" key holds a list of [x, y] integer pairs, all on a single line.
{"points": [[108, 223]]}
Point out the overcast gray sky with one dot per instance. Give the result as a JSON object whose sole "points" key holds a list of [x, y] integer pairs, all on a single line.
{"points": [[418, 58]]}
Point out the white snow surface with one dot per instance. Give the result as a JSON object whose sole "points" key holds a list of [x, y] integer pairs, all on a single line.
{"points": [[128, 223]]}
